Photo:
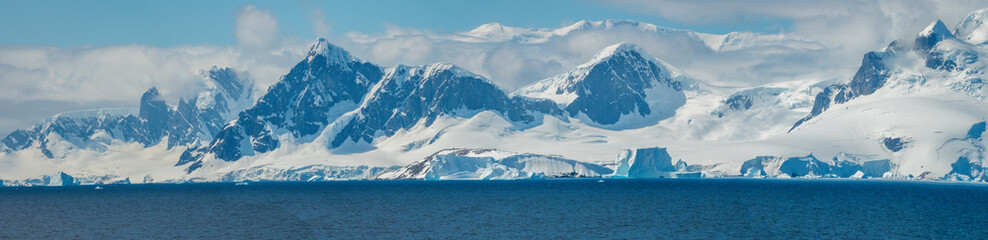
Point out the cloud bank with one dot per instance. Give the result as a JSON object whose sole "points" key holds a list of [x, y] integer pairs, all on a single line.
{"points": [[825, 43]]}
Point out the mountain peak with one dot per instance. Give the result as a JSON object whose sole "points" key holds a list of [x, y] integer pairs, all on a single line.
{"points": [[973, 29], [333, 53], [489, 27], [936, 28], [619, 49], [933, 34], [443, 67], [227, 78], [498, 31], [623, 87], [151, 94]]}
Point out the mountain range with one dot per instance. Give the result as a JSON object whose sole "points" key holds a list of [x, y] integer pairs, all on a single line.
{"points": [[913, 110]]}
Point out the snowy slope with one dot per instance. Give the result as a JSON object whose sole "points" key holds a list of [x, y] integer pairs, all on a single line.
{"points": [[746, 40], [973, 29], [908, 104], [912, 110], [320, 88], [410, 95], [621, 87], [496, 32], [125, 145], [223, 95]]}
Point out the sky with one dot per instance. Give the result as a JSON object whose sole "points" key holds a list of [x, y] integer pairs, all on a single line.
{"points": [[69, 23], [58, 56]]}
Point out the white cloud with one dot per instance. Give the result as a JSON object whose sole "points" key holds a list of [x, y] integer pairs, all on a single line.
{"points": [[319, 26], [119, 74], [45, 80], [404, 50], [256, 28], [513, 64], [851, 26], [839, 31], [116, 76]]}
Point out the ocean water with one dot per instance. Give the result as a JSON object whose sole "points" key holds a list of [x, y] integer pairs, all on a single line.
{"points": [[637, 209]]}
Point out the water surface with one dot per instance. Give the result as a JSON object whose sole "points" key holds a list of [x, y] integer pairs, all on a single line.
{"points": [[663, 208]]}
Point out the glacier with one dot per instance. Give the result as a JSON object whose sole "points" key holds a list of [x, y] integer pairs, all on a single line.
{"points": [[493, 164], [488, 164], [912, 110]]}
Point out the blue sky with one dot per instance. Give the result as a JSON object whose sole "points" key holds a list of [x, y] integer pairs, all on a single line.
{"points": [[66, 23], [62, 55]]}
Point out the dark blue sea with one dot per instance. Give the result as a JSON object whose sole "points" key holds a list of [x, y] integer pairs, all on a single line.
{"points": [[621, 209]]}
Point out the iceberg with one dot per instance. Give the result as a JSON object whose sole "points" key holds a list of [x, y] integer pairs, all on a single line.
{"points": [[491, 164]]}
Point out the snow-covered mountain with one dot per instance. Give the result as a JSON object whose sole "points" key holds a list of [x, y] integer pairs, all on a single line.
{"points": [[913, 110], [410, 95], [622, 87], [973, 29], [496, 32], [919, 104], [320, 88], [194, 120]]}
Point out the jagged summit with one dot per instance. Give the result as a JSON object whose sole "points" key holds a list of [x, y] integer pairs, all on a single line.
{"points": [[320, 88], [332, 53], [444, 66], [558, 88], [332, 112], [973, 29], [495, 30], [152, 105], [621, 48], [621, 87], [409, 96], [228, 80], [936, 27], [931, 35]]}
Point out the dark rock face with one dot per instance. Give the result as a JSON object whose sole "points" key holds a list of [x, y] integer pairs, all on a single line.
{"points": [[954, 60], [746, 99], [527, 110], [409, 95], [872, 75], [155, 112], [17, 140], [894, 144], [738, 102], [78, 130], [976, 130], [965, 167], [314, 93], [301, 101], [875, 69], [616, 87], [934, 34], [330, 82], [192, 124], [184, 125]]}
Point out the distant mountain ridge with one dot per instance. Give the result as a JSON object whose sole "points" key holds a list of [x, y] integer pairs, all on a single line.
{"points": [[187, 124], [364, 101], [913, 110]]}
